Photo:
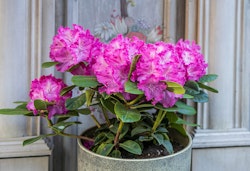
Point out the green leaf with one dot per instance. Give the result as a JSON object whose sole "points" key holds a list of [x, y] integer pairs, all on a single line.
{"points": [[139, 130], [170, 109], [131, 87], [163, 139], [183, 108], [49, 64], [84, 81], [104, 149], [40, 105], [76, 102], [208, 78], [187, 96], [32, 140], [172, 117], [108, 104], [208, 88], [132, 147], [145, 138], [89, 96], [126, 115], [116, 154], [18, 102], [179, 128], [192, 88], [175, 87], [133, 65], [162, 130], [183, 122], [84, 111], [22, 106], [124, 131], [63, 125], [15, 111], [100, 138], [70, 113], [202, 97], [66, 90]]}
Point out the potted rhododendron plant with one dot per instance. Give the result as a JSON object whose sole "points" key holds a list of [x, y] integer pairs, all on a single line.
{"points": [[141, 89]]}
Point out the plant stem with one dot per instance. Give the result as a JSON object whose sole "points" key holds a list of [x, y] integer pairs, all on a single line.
{"points": [[159, 118], [104, 111], [77, 136], [95, 120], [135, 100], [119, 130], [50, 125]]}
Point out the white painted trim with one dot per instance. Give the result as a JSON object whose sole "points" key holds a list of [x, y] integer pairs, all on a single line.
{"points": [[12, 147], [214, 138]]}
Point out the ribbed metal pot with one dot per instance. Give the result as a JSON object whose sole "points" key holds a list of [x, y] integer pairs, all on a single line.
{"points": [[180, 161]]}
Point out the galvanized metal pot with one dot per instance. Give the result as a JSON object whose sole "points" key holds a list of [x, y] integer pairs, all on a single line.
{"points": [[180, 161]]}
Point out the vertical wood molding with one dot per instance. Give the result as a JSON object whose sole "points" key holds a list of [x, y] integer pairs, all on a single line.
{"points": [[34, 44], [222, 36]]}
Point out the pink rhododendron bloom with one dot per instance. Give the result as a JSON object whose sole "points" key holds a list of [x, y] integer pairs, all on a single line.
{"points": [[48, 88], [113, 65], [159, 63], [192, 58], [74, 47]]}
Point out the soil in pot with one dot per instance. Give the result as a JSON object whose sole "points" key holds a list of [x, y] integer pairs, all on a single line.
{"points": [[150, 150]]}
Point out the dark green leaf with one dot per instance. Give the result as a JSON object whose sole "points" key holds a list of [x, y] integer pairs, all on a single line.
{"points": [[108, 104], [131, 87], [131, 146], [171, 109], [139, 130], [163, 139], [192, 88], [76, 102], [100, 138], [172, 117], [202, 97], [18, 102], [145, 138], [15, 111], [66, 90], [116, 154], [22, 106], [162, 130], [179, 128], [84, 81], [63, 125], [208, 78], [85, 111], [49, 64], [126, 115], [124, 131], [208, 88], [183, 122], [183, 108], [40, 105], [32, 140], [187, 96], [104, 149]]}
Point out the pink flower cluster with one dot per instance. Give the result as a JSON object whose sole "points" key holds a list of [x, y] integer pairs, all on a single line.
{"points": [[48, 88], [192, 58], [74, 48], [113, 64], [158, 63]]}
